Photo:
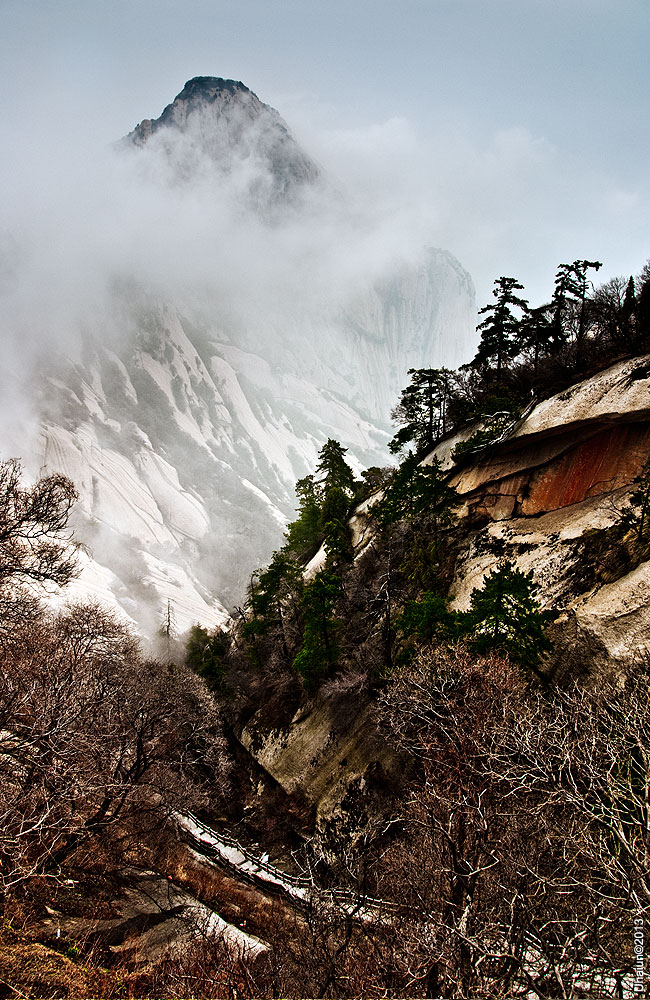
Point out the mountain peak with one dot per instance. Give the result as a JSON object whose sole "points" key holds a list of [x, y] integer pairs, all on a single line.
{"points": [[227, 121], [208, 87]]}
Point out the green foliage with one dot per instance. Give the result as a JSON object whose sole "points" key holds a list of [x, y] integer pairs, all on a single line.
{"points": [[537, 333], [635, 516], [332, 471], [419, 493], [274, 596], [334, 525], [569, 297], [319, 651], [500, 341], [422, 409], [373, 479], [643, 307], [426, 620], [505, 616], [337, 488], [496, 424], [274, 585], [324, 501], [303, 535], [205, 652], [417, 489], [423, 560]]}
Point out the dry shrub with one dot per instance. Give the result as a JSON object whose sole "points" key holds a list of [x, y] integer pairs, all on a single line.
{"points": [[523, 858], [97, 742]]}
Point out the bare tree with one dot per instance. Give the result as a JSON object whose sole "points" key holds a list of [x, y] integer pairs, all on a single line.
{"points": [[35, 546], [96, 741], [526, 847]]}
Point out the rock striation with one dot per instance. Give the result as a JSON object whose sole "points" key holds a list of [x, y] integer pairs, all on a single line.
{"points": [[545, 495]]}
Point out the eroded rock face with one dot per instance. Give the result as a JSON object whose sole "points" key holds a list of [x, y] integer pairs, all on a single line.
{"points": [[329, 754], [548, 498], [545, 493], [549, 474]]}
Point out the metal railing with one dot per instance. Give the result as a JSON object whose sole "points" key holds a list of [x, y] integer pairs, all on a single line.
{"points": [[279, 883]]}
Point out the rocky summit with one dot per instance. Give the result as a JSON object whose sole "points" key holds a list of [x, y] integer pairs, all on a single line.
{"points": [[225, 121]]}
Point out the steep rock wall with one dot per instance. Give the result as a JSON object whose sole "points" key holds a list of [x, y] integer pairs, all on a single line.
{"points": [[549, 474], [329, 755], [540, 498]]}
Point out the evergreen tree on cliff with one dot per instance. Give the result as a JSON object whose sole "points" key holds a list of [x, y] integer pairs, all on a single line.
{"points": [[505, 616], [422, 410], [337, 488], [303, 534], [500, 342], [569, 302], [332, 470], [319, 652]]}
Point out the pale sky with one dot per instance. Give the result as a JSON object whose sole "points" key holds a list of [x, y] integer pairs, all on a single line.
{"points": [[519, 129]]}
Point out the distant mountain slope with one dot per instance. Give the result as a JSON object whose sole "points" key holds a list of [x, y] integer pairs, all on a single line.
{"points": [[186, 426]]}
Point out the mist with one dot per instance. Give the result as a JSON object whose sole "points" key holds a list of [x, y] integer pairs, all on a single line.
{"points": [[79, 214], [98, 241], [79, 217], [92, 233]]}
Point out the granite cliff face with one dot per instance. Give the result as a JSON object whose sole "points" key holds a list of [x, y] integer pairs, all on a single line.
{"points": [[546, 498]]}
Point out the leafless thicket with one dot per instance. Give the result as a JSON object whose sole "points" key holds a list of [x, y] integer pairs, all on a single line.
{"points": [[95, 740], [526, 854], [516, 859]]}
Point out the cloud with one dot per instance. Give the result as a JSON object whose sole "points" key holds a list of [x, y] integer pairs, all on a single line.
{"points": [[508, 201], [78, 215]]}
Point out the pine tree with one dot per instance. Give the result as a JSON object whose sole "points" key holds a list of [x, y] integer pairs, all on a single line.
{"points": [[417, 489], [536, 333], [505, 615], [333, 471], [500, 342], [427, 619], [304, 534], [422, 409], [629, 315], [273, 597], [205, 652], [319, 652], [334, 526], [336, 485], [643, 308], [569, 298]]}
